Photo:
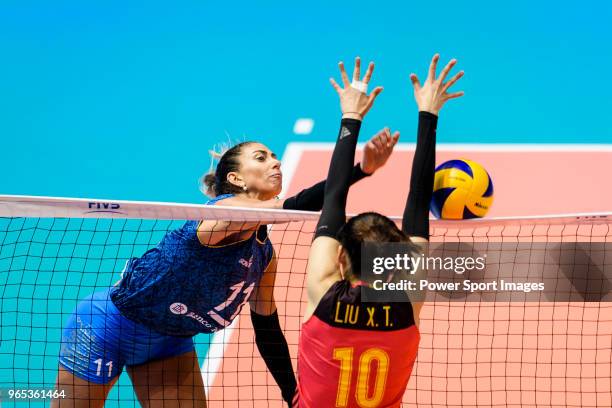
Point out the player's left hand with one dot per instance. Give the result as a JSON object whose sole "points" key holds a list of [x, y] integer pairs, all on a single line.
{"points": [[433, 94], [378, 149]]}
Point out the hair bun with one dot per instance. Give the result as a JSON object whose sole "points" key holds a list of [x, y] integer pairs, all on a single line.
{"points": [[207, 184], [227, 159]]}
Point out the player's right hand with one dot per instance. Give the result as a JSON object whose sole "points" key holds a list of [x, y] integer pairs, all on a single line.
{"points": [[378, 149], [354, 103]]}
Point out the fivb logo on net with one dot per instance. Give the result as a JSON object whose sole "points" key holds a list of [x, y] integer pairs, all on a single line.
{"points": [[178, 308]]}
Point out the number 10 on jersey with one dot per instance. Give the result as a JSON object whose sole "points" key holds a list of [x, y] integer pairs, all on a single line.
{"points": [[365, 397]]}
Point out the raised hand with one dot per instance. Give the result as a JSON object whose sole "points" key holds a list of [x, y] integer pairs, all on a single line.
{"points": [[432, 95], [353, 102], [378, 149]]}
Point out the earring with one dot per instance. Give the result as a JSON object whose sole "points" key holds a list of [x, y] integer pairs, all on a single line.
{"points": [[244, 187]]}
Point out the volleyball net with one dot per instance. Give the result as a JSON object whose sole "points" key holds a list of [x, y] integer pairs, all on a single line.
{"points": [[554, 349]]}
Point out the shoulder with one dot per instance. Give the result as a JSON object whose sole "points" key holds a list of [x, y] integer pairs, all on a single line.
{"points": [[184, 233], [218, 198], [232, 200], [328, 299], [322, 268]]}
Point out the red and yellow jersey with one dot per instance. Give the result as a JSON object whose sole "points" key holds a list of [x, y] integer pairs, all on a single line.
{"points": [[354, 354]]}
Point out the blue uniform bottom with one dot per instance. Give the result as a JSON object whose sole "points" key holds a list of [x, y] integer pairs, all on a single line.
{"points": [[97, 341]]}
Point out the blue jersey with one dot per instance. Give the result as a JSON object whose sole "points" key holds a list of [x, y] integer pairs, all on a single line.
{"points": [[182, 287]]}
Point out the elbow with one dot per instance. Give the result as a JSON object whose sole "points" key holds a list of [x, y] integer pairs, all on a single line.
{"points": [[263, 308]]}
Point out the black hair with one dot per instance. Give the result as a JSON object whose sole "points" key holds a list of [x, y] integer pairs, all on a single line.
{"points": [[368, 227]]}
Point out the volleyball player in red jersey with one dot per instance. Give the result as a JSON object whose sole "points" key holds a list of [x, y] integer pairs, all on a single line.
{"points": [[354, 353]]}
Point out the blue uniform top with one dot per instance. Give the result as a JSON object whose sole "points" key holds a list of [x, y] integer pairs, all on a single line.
{"points": [[182, 287]]}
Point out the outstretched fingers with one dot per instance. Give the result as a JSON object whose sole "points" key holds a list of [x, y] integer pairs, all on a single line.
{"points": [[386, 138], [354, 98], [446, 70], [357, 69], [345, 78], [432, 68], [335, 85], [374, 94], [432, 94], [395, 138], [390, 140], [452, 81], [415, 82], [378, 143], [368, 74], [454, 95]]}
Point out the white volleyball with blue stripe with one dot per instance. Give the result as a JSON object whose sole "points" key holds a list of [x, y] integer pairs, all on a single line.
{"points": [[462, 189]]}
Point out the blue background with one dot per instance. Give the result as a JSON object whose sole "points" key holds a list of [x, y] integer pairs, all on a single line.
{"points": [[123, 100]]}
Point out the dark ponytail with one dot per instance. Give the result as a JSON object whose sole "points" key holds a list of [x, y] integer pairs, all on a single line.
{"points": [[368, 227], [215, 184]]}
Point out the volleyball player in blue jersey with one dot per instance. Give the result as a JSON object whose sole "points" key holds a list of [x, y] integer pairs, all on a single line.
{"points": [[196, 280]]}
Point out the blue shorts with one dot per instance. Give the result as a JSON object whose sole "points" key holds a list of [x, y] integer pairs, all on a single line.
{"points": [[98, 341]]}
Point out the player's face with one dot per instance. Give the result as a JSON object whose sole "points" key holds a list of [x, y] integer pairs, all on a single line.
{"points": [[260, 170]]}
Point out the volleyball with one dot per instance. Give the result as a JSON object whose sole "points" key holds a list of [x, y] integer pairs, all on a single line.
{"points": [[462, 190]]}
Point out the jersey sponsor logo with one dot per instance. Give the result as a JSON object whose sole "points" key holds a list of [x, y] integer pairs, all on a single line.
{"points": [[245, 263], [240, 294], [181, 309], [178, 308], [201, 320]]}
